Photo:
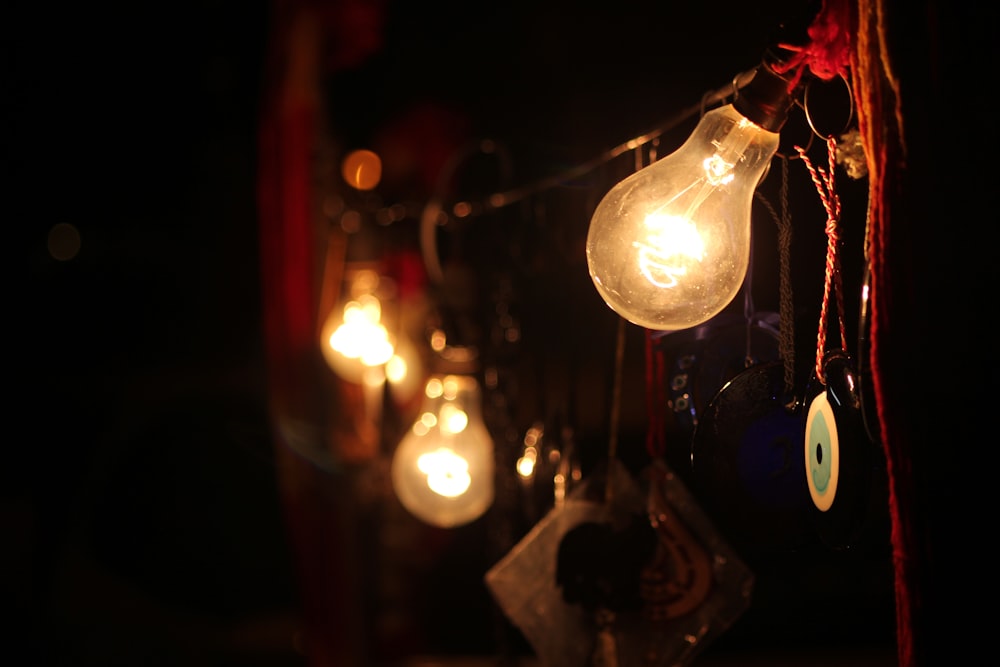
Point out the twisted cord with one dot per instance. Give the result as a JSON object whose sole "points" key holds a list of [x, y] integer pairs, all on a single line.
{"points": [[824, 182], [786, 305]]}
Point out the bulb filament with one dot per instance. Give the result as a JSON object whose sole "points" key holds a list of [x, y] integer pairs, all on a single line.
{"points": [[447, 472], [672, 242]]}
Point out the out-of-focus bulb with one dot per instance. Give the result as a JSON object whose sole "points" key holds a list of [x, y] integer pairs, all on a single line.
{"points": [[354, 339], [669, 247], [442, 470]]}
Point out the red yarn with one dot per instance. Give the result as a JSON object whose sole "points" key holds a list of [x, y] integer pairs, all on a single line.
{"points": [[824, 181], [828, 53]]}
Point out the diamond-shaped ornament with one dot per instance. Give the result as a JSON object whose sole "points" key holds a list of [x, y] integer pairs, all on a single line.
{"points": [[633, 575]]}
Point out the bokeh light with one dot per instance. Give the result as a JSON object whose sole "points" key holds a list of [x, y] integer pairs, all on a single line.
{"points": [[362, 169]]}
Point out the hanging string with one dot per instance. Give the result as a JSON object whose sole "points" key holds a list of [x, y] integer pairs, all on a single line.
{"points": [[786, 303], [616, 397], [824, 181]]}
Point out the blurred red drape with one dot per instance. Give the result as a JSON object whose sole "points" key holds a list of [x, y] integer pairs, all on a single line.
{"points": [[316, 498]]}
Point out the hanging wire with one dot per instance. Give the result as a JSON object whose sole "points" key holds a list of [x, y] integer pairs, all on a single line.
{"points": [[505, 198], [786, 309], [616, 396], [433, 213]]}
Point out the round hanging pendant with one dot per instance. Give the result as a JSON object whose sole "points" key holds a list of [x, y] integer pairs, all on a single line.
{"points": [[822, 453], [700, 361], [746, 462], [837, 453]]}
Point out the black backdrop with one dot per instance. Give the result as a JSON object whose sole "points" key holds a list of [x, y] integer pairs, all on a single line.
{"points": [[141, 486]]}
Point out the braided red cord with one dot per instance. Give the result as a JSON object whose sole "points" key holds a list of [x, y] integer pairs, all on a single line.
{"points": [[824, 181]]}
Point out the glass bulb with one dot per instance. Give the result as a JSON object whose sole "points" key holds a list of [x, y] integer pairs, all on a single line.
{"points": [[669, 247], [442, 471], [354, 338]]}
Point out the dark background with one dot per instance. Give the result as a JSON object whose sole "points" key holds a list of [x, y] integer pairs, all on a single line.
{"points": [[140, 488]]}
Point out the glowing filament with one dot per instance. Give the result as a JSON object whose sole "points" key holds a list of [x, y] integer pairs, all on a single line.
{"points": [[671, 242], [442, 469], [718, 171], [362, 336], [447, 472]]}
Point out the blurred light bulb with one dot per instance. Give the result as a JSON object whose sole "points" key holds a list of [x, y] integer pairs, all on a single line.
{"points": [[442, 471], [669, 247], [354, 338]]}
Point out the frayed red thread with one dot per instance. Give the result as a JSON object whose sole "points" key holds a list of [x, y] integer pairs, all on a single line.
{"points": [[828, 52]]}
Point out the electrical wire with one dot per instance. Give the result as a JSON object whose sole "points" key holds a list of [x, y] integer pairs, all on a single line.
{"points": [[433, 213]]}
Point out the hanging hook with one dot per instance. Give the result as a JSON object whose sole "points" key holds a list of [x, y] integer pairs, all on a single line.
{"points": [[810, 116], [429, 220], [434, 214]]}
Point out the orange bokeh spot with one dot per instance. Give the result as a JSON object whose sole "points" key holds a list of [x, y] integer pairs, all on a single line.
{"points": [[362, 169]]}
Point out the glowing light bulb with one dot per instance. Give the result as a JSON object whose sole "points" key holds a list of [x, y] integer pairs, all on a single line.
{"points": [[669, 247], [442, 470], [361, 334], [354, 339]]}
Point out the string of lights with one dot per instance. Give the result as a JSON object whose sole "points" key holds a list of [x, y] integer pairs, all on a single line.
{"points": [[435, 213], [515, 195]]}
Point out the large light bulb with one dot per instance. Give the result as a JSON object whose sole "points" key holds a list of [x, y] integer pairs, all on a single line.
{"points": [[669, 247], [442, 470]]}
